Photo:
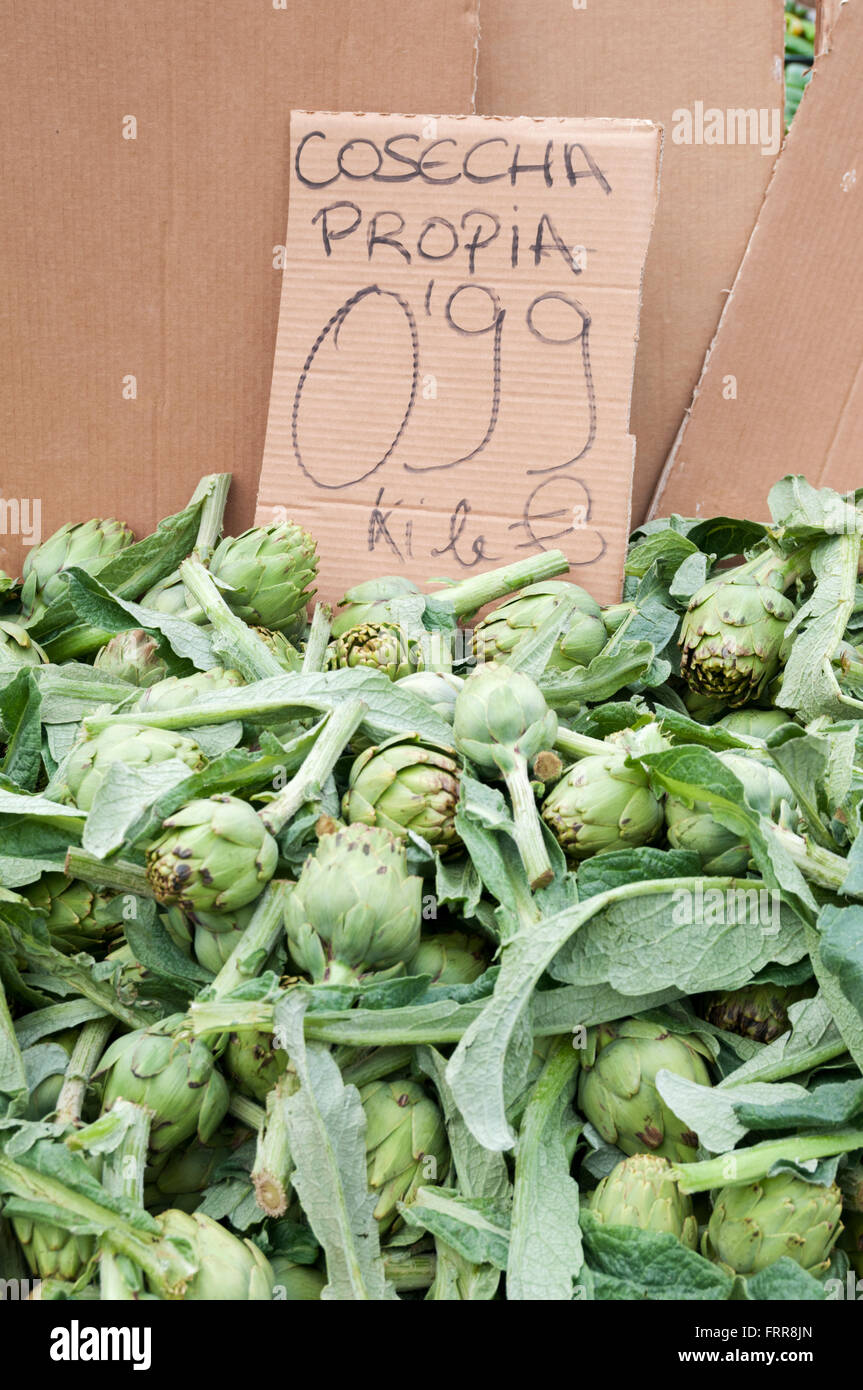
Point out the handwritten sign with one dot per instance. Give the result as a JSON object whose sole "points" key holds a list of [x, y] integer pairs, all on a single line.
{"points": [[458, 324]]}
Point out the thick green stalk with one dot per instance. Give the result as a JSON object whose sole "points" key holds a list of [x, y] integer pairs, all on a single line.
{"points": [[216, 709], [247, 653], [528, 827], [271, 1174], [819, 865], [246, 1111], [315, 655], [86, 1055], [467, 596], [406, 1271], [750, 1165], [256, 943], [384, 1061], [574, 745], [307, 783], [120, 874]]}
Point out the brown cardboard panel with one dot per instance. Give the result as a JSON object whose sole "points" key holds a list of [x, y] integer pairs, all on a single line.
{"points": [[652, 59], [454, 361], [152, 257], [782, 390]]}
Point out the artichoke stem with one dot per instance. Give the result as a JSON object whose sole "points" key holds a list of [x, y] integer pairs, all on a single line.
{"points": [[88, 1049], [750, 1165], [328, 748], [577, 746], [469, 595], [246, 1111], [315, 655], [406, 1270], [256, 943], [271, 1175], [248, 654], [120, 874], [528, 827]]}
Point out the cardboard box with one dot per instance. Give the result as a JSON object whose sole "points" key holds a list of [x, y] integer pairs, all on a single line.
{"points": [[782, 389], [145, 179], [453, 368], [658, 60]]}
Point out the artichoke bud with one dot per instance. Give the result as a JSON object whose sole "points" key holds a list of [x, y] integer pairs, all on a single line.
{"points": [[52, 1252], [173, 1078], [132, 656], [406, 1144], [618, 1095], [228, 1267], [135, 745], [267, 572], [179, 692], [720, 849], [77, 918], [756, 1011], [603, 803], [168, 596], [214, 855], [277, 643], [296, 1283], [370, 602], [754, 1224], [355, 909], [755, 723], [404, 785], [17, 647], [88, 545], [499, 708], [496, 637], [450, 958], [383, 647], [438, 688], [641, 1192], [215, 934], [254, 1062], [733, 631]]}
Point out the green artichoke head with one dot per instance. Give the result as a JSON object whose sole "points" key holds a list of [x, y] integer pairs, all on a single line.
{"points": [[215, 934], [405, 785], [228, 1267], [722, 850], [500, 711], [76, 916], [180, 1177], [168, 596], [296, 1283], [497, 636], [214, 856], [733, 631], [383, 647], [754, 1224], [604, 802], [268, 571], [370, 602], [406, 1144], [254, 1063], [618, 1094], [641, 1191], [438, 688], [52, 1252], [17, 647], [179, 692], [755, 723], [755, 1011], [355, 909], [132, 656], [134, 745], [451, 958], [89, 545], [174, 1078], [284, 651]]}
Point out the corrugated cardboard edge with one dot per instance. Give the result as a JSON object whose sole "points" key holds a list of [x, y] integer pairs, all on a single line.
{"points": [[671, 462]]}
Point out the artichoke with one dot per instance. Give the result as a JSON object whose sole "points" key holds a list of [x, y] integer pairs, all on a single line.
{"points": [[354, 908], [269, 570], [438, 688], [370, 602], [501, 723], [406, 1144], [754, 1224], [285, 653], [168, 596], [603, 803], [175, 1079], [89, 545], [254, 1063], [132, 744], [721, 850], [179, 692], [756, 1011], [214, 856], [451, 958], [179, 1178], [77, 917], [404, 785], [618, 1095], [496, 637], [734, 627], [382, 646], [132, 656], [215, 934], [52, 1252], [228, 1267], [17, 647], [641, 1192], [296, 1283]]}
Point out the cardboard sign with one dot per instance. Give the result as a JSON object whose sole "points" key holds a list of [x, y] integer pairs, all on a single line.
{"points": [[454, 360], [782, 387]]}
